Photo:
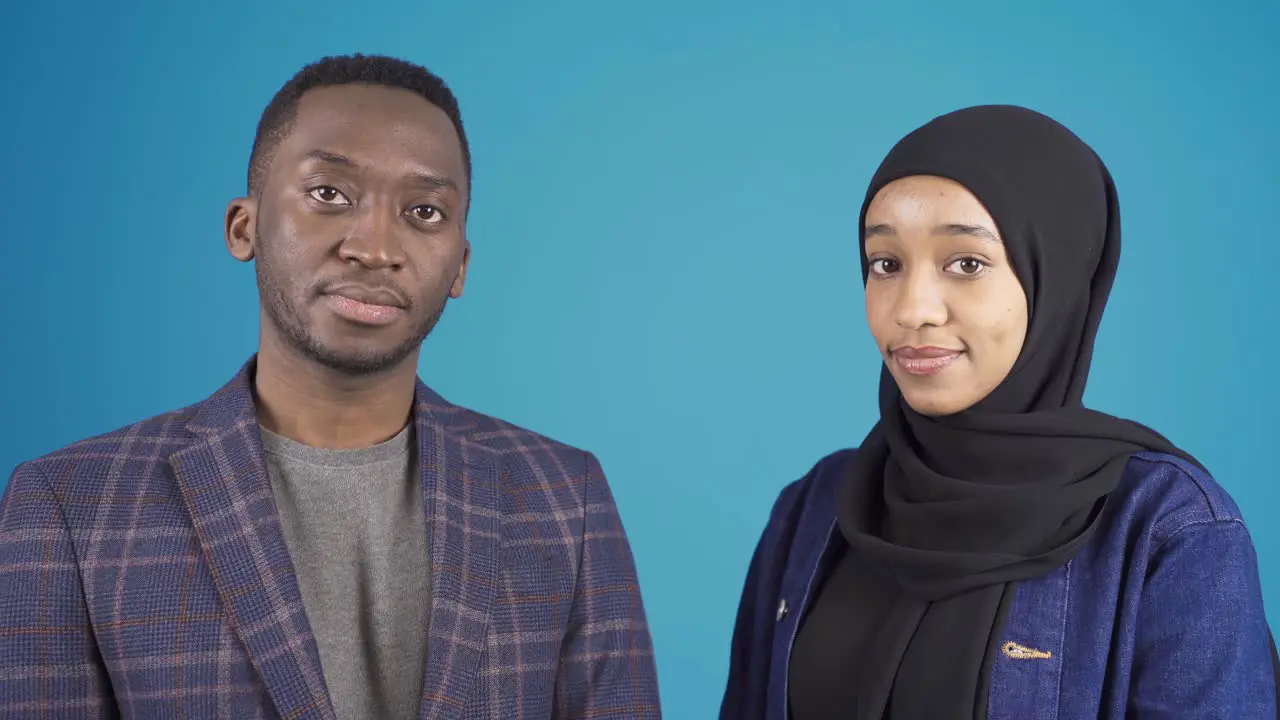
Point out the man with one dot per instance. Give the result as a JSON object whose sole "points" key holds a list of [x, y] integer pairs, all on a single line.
{"points": [[325, 537]]}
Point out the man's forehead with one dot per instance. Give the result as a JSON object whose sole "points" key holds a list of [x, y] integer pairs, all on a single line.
{"points": [[353, 115]]}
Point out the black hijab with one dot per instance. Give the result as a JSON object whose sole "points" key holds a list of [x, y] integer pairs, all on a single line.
{"points": [[952, 510]]}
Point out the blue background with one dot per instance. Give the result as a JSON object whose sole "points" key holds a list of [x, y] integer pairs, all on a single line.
{"points": [[665, 260]]}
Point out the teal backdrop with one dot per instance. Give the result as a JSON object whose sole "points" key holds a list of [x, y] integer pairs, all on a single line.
{"points": [[665, 258]]}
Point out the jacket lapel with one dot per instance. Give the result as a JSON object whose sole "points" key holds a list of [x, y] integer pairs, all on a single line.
{"points": [[461, 489], [223, 479]]}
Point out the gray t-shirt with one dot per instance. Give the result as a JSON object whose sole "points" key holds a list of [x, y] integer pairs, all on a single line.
{"points": [[356, 531]]}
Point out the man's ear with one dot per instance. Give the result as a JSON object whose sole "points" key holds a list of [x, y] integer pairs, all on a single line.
{"points": [[460, 280], [241, 228]]}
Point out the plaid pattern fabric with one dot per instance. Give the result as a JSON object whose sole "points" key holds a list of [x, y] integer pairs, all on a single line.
{"points": [[143, 574]]}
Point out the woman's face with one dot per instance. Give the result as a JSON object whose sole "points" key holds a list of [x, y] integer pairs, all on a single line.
{"points": [[943, 303]]}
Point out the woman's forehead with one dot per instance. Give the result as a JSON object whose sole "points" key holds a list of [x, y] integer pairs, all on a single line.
{"points": [[924, 203]]}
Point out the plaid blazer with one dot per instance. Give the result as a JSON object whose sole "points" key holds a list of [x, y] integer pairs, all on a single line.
{"points": [[143, 574]]}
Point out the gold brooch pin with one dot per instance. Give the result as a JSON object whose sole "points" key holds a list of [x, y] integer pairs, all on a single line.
{"points": [[1018, 652]]}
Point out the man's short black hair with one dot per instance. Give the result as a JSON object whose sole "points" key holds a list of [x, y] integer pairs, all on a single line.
{"points": [[278, 118]]}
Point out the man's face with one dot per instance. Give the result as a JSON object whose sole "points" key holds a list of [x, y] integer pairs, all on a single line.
{"points": [[359, 233]]}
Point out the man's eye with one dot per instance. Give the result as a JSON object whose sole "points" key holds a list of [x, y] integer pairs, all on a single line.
{"points": [[427, 213], [328, 195]]}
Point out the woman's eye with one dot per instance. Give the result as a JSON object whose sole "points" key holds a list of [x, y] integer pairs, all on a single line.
{"points": [[884, 266], [968, 266]]}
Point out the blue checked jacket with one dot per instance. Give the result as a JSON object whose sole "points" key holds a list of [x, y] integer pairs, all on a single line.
{"points": [[143, 574]]}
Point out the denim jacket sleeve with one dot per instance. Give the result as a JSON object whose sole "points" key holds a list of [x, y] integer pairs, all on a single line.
{"points": [[746, 695], [1203, 648], [743, 696]]}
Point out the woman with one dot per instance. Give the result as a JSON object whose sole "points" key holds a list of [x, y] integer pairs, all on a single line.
{"points": [[994, 549]]}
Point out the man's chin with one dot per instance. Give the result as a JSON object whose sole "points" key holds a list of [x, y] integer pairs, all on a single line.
{"points": [[361, 361], [335, 348]]}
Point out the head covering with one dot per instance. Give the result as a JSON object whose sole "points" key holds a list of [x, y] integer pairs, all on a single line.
{"points": [[952, 510]]}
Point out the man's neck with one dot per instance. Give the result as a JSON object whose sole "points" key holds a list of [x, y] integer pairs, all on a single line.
{"points": [[321, 407]]}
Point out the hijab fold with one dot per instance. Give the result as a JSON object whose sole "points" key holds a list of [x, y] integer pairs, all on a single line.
{"points": [[952, 511]]}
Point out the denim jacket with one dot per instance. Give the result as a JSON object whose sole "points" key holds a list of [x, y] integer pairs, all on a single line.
{"points": [[1158, 616]]}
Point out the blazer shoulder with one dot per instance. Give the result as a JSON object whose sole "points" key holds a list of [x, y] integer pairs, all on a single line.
{"points": [[153, 437], [520, 443], [500, 437], [539, 474], [105, 468]]}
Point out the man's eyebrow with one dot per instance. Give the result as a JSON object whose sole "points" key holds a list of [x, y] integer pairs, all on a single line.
{"points": [[330, 157], [427, 179], [435, 182]]}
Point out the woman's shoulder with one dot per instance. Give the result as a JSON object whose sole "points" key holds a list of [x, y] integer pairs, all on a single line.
{"points": [[816, 487], [800, 521], [1164, 492], [1171, 494]]}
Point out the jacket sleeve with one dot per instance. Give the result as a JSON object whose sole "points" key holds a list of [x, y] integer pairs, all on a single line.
{"points": [[744, 695], [750, 652], [1203, 648], [607, 667], [49, 661]]}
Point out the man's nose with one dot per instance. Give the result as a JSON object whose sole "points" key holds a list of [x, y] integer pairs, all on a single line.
{"points": [[372, 239]]}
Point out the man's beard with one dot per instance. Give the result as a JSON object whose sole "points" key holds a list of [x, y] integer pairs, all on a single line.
{"points": [[292, 325]]}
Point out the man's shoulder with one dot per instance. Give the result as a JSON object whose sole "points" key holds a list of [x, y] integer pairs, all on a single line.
{"points": [[543, 479], [513, 443], [153, 437], [149, 439]]}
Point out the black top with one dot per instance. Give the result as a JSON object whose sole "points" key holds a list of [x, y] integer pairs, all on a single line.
{"points": [[947, 512]]}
